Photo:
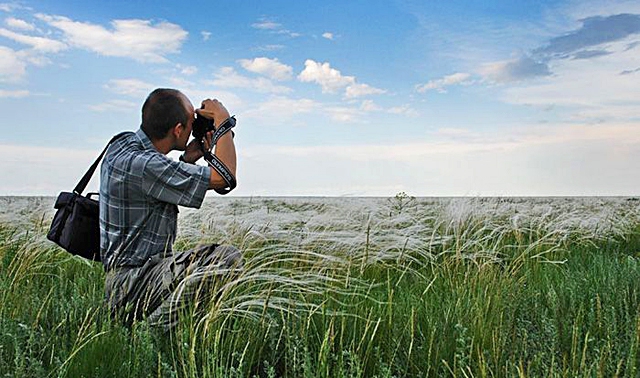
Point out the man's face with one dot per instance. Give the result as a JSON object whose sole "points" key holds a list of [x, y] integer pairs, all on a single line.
{"points": [[184, 136]]}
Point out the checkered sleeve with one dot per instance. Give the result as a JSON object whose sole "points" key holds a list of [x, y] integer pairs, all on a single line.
{"points": [[175, 182]]}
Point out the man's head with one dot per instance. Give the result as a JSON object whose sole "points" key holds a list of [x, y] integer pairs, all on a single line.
{"points": [[167, 113]]}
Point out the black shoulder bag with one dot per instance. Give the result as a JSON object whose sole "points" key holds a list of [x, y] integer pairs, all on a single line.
{"points": [[75, 226]]}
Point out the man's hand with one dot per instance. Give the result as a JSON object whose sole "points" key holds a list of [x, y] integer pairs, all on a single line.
{"points": [[193, 152], [213, 109]]}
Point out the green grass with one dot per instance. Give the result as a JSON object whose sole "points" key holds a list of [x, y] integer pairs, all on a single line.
{"points": [[415, 292]]}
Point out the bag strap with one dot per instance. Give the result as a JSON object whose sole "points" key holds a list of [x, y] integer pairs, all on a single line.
{"points": [[87, 176]]}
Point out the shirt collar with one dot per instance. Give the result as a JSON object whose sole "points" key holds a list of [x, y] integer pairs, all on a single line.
{"points": [[144, 139]]}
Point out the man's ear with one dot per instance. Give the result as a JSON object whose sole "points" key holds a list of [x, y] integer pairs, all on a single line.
{"points": [[177, 130]]}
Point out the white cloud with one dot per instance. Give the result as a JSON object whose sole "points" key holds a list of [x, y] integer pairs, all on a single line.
{"points": [[369, 106], [40, 44], [406, 110], [187, 70], [227, 77], [115, 106], [440, 85], [358, 90], [514, 163], [130, 87], [514, 70], [331, 80], [328, 78], [581, 9], [456, 134], [205, 35], [197, 94], [344, 114], [285, 108], [33, 57], [620, 134], [266, 25], [10, 7], [273, 27], [271, 68], [64, 167], [179, 82], [327, 35], [587, 89], [602, 162], [140, 40], [12, 68], [13, 94], [271, 47], [16, 23]]}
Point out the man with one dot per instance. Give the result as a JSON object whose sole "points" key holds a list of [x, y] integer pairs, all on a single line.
{"points": [[140, 190]]}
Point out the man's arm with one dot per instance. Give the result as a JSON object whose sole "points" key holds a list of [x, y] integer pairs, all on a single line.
{"points": [[225, 149]]}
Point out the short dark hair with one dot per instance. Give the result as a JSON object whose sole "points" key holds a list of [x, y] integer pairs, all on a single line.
{"points": [[162, 110]]}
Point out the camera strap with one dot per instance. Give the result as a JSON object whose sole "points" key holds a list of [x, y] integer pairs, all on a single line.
{"points": [[226, 126], [222, 169]]}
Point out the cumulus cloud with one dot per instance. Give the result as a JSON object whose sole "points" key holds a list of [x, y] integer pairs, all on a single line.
{"points": [[271, 68], [331, 80], [12, 67], [328, 78], [41, 44], [515, 70], [19, 24], [327, 35], [140, 40], [440, 85], [227, 77], [358, 90]]}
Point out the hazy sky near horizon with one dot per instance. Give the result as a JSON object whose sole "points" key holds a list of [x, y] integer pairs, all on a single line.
{"points": [[361, 98]]}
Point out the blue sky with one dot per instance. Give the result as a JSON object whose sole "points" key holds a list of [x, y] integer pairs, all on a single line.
{"points": [[362, 98]]}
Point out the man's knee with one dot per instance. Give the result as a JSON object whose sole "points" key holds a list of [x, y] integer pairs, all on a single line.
{"points": [[229, 256]]}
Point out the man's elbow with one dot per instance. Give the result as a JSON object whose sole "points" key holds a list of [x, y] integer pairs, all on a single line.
{"points": [[217, 182]]}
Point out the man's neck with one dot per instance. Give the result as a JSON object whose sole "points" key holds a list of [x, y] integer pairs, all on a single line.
{"points": [[163, 145]]}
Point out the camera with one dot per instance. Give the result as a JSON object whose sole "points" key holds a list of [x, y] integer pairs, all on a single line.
{"points": [[201, 126]]}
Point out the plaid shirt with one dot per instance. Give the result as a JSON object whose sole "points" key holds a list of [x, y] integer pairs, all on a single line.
{"points": [[140, 189]]}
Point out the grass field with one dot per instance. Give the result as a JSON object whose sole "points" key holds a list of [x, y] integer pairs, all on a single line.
{"points": [[349, 287]]}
